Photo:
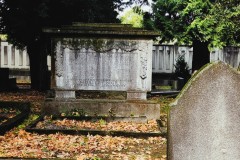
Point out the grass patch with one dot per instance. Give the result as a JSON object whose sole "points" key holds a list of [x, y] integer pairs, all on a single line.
{"points": [[164, 87], [26, 122], [164, 103]]}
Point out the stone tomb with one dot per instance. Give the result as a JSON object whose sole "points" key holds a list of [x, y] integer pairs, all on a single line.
{"points": [[204, 121], [102, 57]]}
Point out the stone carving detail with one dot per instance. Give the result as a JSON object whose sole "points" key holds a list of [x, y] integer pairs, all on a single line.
{"points": [[59, 60], [98, 45], [144, 67]]}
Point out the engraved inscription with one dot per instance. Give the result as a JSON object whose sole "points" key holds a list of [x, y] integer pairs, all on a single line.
{"points": [[119, 66], [102, 82], [99, 45]]}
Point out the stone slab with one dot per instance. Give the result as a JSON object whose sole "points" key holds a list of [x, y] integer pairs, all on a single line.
{"points": [[120, 108], [103, 64], [204, 121]]}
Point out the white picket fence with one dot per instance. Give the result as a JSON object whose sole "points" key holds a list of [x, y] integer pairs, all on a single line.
{"points": [[13, 58], [164, 57]]}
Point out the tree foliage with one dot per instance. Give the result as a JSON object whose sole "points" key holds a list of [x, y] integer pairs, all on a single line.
{"points": [[23, 20], [227, 16], [210, 23], [182, 68], [188, 20], [134, 17], [3, 37]]}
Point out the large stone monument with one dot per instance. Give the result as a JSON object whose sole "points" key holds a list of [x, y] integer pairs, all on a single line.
{"points": [[204, 123], [102, 57]]}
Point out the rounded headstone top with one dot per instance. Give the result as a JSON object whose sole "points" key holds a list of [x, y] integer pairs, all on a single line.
{"points": [[100, 29], [218, 66]]}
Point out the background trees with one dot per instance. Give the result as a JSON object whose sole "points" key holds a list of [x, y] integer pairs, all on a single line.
{"points": [[23, 20], [196, 22], [134, 17], [227, 14], [202, 23]]}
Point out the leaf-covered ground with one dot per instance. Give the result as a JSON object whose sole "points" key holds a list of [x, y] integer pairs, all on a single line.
{"points": [[49, 123], [19, 143], [6, 113], [24, 144]]}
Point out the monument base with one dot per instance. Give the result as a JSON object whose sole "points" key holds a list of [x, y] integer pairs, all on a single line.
{"points": [[122, 108]]}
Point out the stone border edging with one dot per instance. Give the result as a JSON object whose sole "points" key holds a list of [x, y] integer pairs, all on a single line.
{"points": [[24, 107], [31, 128]]}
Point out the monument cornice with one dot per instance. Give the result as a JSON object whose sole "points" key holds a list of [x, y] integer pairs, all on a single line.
{"points": [[100, 29]]}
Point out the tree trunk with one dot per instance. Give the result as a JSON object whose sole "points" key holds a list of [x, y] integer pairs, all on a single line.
{"points": [[38, 66], [201, 55]]}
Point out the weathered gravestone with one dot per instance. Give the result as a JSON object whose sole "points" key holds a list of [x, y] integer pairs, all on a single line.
{"points": [[101, 57], [204, 123]]}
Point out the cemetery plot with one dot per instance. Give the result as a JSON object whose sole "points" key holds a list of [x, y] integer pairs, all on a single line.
{"points": [[114, 126], [12, 114], [19, 144]]}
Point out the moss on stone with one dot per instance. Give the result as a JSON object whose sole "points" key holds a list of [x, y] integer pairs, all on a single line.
{"points": [[95, 29], [98, 45], [100, 25]]}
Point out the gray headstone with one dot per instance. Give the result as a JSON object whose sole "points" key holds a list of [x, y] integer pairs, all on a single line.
{"points": [[204, 121]]}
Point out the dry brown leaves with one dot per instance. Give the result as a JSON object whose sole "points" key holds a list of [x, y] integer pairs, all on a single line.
{"points": [[150, 126], [22, 96], [36, 98], [6, 113], [29, 145]]}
